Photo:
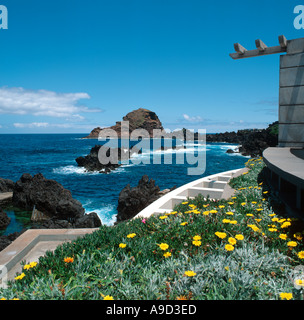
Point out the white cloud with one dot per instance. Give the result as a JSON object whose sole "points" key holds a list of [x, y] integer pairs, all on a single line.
{"points": [[32, 125], [43, 103], [192, 119]]}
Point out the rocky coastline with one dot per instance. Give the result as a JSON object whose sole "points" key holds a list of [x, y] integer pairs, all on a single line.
{"points": [[252, 142], [49, 205]]}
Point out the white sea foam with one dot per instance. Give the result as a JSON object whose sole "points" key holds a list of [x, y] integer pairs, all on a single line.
{"points": [[72, 170]]}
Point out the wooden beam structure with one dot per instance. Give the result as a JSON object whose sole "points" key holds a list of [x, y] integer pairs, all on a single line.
{"points": [[261, 50]]}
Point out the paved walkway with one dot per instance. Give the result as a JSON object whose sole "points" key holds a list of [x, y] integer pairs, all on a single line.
{"points": [[34, 243]]}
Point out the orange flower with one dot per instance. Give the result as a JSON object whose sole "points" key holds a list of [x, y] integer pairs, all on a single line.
{"points": [[68, 259]]}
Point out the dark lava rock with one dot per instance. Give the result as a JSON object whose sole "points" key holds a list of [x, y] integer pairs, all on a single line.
{"points": [[132, 200], [137, 119], [6, 185], [91, 162], [90, 220], [253, 141], [7, 240], [4, 220], [48, 196]]}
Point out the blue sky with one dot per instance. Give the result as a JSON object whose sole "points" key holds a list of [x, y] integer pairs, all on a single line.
{"points": [[69, 66]]}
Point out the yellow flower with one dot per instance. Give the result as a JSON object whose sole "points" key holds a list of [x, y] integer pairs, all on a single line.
{"points": [[253, 227], [33, 264], [122, 245], [233, 222], [173, 212], [163, 217], [227, 268], [108, 298], [190, 273], [239, 237], [167, 254], [21, 276], [291, 244], [265, 192], [243, 203], [301, 254], [213, 211], [272, 215], [226, 221], [299, 282], [26, 267], [221, 206], [164, 246], [183, 223], [229, 213], [258, 220], [197, 211], [249, 215], [197, 243], [185, 202], [197, 238], [285, 295], [230, 202], [253, 202], [221, 235], [231, 240], [283, 236], [229, 247], [272, 229], [131, 235], [206, 205], [275, 219], [68, 259], [205, 213], [259, 209], [298, 236]]}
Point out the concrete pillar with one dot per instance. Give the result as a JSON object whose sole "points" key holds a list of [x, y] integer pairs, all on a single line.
{"points": [[291, 95]]}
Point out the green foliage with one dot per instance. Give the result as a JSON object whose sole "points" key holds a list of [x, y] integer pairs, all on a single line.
{"points": [[274, 128]]}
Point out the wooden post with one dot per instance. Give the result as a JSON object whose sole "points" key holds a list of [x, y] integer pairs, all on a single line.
{"points": [[239, 48], [261, 46]]}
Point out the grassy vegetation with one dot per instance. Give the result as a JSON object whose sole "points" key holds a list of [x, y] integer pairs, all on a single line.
{"points": [[227, 249]]}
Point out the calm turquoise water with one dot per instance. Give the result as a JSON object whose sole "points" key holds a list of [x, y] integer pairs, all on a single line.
{"points": [[54, 156]]}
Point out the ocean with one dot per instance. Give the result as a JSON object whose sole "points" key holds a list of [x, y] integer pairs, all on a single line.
{"points": [[54, 156]]}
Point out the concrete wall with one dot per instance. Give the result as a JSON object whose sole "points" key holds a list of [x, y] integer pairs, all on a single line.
{"points": [[291, 95]]}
